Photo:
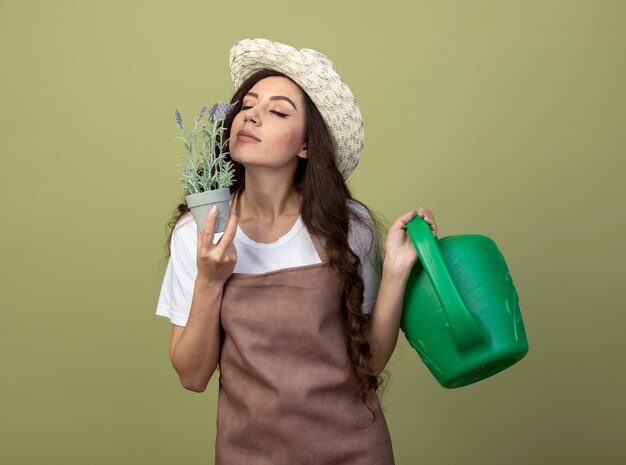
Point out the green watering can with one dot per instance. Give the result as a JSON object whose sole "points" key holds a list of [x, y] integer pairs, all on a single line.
{"points": [[461, 310]]}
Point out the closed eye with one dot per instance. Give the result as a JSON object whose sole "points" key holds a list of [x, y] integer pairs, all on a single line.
{"points": [[278, 113]]}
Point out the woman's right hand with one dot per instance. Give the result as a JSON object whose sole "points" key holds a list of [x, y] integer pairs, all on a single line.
{"points": [[216, 262]]}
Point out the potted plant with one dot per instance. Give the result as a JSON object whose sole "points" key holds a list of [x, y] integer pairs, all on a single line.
{"points": [[208, 175]]}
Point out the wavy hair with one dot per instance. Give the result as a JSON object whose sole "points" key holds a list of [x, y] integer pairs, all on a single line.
{"points": [[326, 214]]}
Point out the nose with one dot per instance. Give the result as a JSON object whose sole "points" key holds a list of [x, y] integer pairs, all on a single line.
{"points": [[250, 115]]}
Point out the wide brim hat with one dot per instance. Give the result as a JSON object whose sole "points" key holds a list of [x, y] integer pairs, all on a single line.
{"points": [[317, 76]]}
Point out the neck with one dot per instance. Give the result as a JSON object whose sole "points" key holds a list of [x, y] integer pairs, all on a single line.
{"points": [[268, 197]]}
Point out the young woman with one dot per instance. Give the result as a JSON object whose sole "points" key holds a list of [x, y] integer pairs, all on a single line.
{"points": [[293, 302]]}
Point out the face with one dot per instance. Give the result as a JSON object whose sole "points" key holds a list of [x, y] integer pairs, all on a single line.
{"points": [[273, 113]]}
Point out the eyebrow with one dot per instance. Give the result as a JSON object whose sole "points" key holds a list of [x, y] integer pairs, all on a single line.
{"points": [[275, 97]]}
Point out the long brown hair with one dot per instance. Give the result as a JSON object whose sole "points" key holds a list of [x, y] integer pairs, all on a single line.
{"points": [[326, 214]]}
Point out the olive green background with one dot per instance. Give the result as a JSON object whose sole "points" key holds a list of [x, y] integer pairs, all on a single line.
{"points": [[504, 118]]}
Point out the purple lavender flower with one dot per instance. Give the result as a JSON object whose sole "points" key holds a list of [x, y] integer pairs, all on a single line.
{"points": [[232, 106], [200, 113], [220, 111], [224, 110], [179, 120], [212, 112]]}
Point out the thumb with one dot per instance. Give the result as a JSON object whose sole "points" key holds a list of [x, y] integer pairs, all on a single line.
{"points": [[402, 220]]}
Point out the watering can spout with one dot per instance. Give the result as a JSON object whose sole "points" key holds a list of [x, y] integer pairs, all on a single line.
{"points": [[465, 330]]}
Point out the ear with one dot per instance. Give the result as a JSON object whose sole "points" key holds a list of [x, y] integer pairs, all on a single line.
{"points": [[304, 153]]}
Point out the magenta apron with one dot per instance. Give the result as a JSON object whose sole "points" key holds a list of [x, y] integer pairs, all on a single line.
{"points": [[287, 394]]}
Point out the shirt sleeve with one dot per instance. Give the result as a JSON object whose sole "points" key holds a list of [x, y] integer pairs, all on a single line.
{"points": [[364, 243], [180, 275]]}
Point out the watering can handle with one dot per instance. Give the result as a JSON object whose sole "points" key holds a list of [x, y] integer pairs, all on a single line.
{"points": [[463, 326]]}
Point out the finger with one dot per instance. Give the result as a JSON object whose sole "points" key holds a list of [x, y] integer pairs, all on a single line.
{"points": [[429, 219], [431, 222], [424, 212], [402, 220], [428, 216], [433, 226], [209, 226], [231, 229]]}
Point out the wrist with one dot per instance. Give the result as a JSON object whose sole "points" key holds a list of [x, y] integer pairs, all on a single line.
{"points": [[208, 285], [396, 271]]}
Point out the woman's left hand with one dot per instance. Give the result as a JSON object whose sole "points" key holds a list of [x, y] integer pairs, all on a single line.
{"points": [[400, 253]]}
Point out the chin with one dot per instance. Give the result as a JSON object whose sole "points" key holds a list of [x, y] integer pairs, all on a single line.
{"points": [[234, 153]]}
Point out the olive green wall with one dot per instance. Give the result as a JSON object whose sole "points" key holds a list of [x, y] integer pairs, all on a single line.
{"points": [[504, 118]]}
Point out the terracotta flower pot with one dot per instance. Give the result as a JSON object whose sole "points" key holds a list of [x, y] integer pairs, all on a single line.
{"points": [[201, 203]]}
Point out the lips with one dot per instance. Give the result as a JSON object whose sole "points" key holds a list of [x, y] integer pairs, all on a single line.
{"points": [[243, 135]]}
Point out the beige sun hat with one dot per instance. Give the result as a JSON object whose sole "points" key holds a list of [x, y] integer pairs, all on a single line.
{"points": [[316, 74]]}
